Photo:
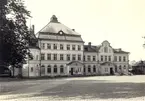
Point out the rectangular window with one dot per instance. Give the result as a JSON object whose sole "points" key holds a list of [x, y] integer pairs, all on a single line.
{"points": [[55, 57], [55, 70], [101, 58], [68, 47], [84, 58], [43, 45], [105, 58], [79, 57], [89, 58], [109, 58], [61, 56], [115, 58], [68, 57], [42, 56], [48, 70], [48, 46], [61, 46], [48, 56], [94, 58], [54, 46], [119, 58], [124, 58], [73, 57], [61, 70], [31, 69], [79, 47], [73, 47]]}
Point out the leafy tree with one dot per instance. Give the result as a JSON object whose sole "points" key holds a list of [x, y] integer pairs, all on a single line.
{"points": [[15, 34]]}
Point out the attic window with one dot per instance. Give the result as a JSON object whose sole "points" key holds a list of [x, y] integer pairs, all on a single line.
{"points": [[60, 32]]}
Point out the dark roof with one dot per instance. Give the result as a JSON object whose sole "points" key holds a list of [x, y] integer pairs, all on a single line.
{"points": [[139, 64], [90, 48], [120, 51]]}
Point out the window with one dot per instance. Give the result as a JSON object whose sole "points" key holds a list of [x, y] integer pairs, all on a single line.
{"points": [[89, 58], [73, 47], [115, 58], [106, 49], [115, 68], [61, 69], [73, 57], [68, 57], [120, 67], [42, 56], [105, 58], [43, 45], [68, 47], [84, 58], [48, 56], [94, 58], [37, 57], [49, 69], [79, 57], [89, 68], [119, 58], [55, 68], [94, 68], [55, 57], [54, 46], [109, 58], [101, 58], [42, 69], [48, 46], [124, 58], [31, 69], [61, 46], [124, 66], [61, 56], [79, 47]]}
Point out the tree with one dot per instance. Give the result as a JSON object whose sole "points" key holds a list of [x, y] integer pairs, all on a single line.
{"points": [[15, 34]]}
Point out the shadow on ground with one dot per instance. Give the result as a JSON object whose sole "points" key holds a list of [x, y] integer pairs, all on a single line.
{"points": [[94, 89]]}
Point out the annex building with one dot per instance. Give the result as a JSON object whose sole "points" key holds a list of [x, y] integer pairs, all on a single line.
{"points": [[60, 51]]}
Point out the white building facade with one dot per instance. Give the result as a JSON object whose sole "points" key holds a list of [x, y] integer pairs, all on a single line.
{"points": [[61, 52]]}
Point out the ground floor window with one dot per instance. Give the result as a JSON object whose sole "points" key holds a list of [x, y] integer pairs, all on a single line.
{"points": [[89, 69], [61, 70], [94, 69], [48, 70], [115, 69], [31, 69], [106, 69], [55, 70]]}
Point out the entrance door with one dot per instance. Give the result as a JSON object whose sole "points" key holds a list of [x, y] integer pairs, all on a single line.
{"points": [[111, 71], [71, 71]]}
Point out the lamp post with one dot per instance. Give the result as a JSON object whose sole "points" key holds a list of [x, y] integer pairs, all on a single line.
{"points": [[2, 17]]}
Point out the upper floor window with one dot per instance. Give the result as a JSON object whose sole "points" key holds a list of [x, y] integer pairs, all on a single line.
{"points": [[101, 58], [115, 58], [42, 56], [73, 47], [68, 57], [68, 47], [106, 49], [61, 56], [84, 58], [119, 58], [55, 57], [73, 57], [89, 58], [79, 57], [124, 58], [79, 47], [109, 58], [105, 58], [54, 46], [94, 58], [43, 45], [61, 46], [48, 46], [48, 56]]}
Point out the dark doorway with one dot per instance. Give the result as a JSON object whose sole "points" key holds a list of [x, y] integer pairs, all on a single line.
{"points": [[71, 71], [111, 71]]}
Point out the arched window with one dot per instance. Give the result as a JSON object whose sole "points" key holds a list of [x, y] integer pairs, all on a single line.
{"points": [[106, 49], [49, 69], [49, 66], [61, 66], [55, 69]]}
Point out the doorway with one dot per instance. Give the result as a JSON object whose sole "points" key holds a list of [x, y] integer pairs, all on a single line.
{"points": [[111, 71], [71, 71]]}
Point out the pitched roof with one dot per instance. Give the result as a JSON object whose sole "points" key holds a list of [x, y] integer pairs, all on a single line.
{"points": [[89, 48], [120, 51], [55, 27]]}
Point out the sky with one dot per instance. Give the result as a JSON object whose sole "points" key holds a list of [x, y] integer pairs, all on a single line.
{"points": [[121, 22]]}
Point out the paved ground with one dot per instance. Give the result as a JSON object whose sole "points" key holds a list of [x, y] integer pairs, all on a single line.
{"points": [[100, 88]]}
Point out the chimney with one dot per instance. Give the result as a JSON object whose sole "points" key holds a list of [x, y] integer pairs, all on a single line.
{"points": [[89, 43]]}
